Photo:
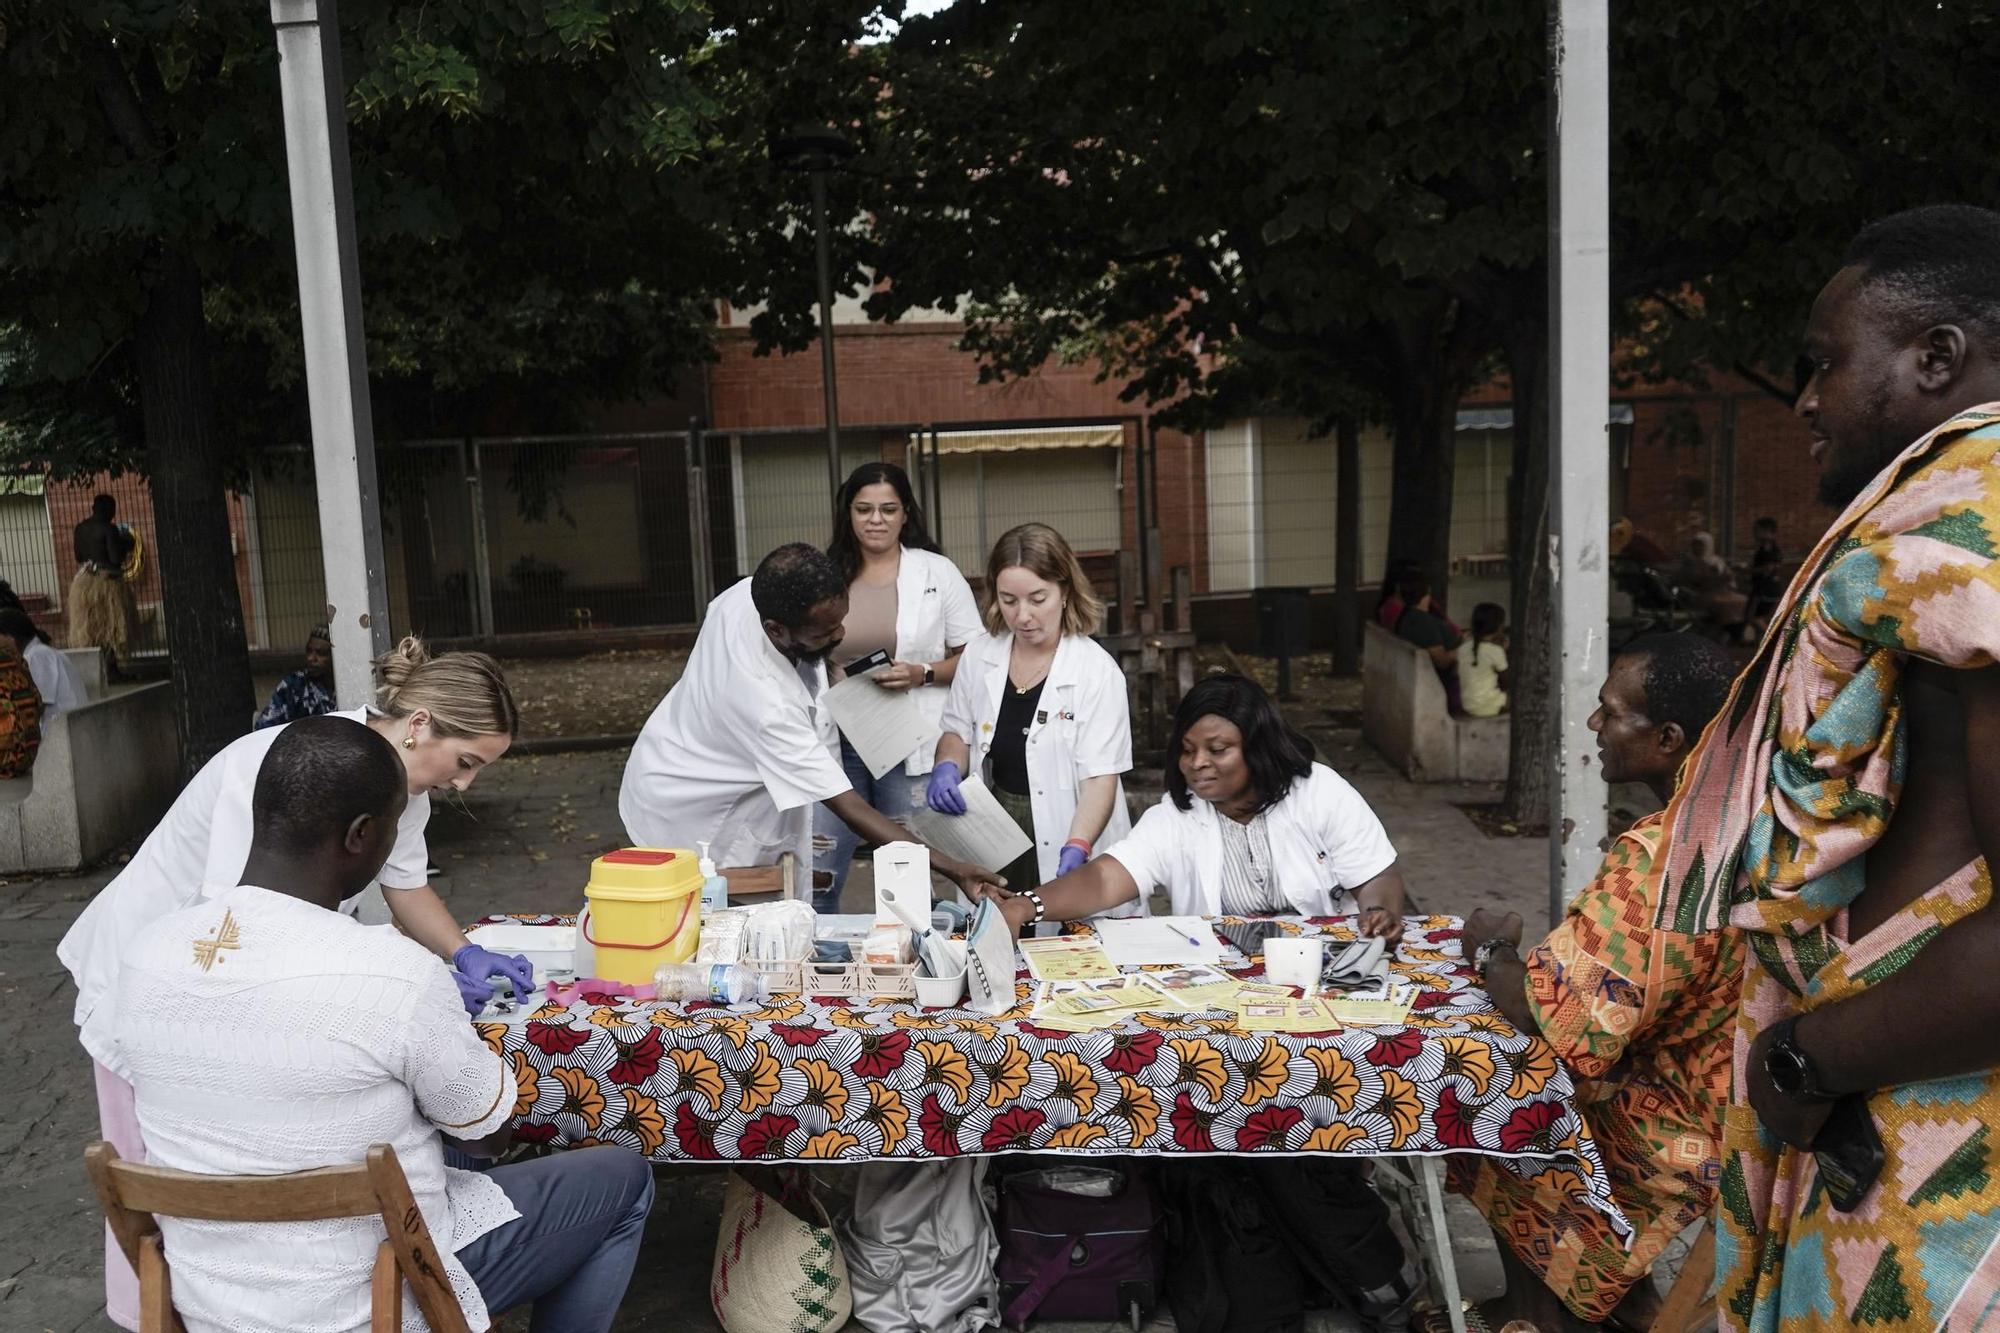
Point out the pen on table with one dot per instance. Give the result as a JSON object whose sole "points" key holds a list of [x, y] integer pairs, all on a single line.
{"points": [[1180, 934]]}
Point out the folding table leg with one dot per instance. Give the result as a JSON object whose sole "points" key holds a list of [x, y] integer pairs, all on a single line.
{"points": [[1432, 1170]]}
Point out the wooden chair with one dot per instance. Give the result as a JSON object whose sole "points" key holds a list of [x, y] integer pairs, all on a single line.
{"points": [[762, 884], [132, 1194]]}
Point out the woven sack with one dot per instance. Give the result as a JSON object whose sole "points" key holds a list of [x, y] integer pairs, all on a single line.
{"points": [[778, 1268]]}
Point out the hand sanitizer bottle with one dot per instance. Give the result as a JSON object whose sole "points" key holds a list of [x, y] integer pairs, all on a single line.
{"points": [[714, 888]]}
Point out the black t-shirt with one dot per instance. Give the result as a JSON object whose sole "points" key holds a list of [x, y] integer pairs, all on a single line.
{"points": [[1009, 751], [1425, 630]]}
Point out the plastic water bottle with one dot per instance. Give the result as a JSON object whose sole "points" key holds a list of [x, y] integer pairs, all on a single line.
{"points": [[718, 983]]}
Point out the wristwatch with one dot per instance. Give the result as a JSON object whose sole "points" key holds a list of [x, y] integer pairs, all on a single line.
{"points": [[1484, 953], [930, 674], [1791, 1070]]}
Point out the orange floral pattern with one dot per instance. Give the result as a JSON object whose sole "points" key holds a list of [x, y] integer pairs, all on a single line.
{"points": [[872, 1077], [582, 1097], [760, 1081]]}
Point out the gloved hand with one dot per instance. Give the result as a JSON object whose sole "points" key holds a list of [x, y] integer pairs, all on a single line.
{"points": [[1069, 858], [942, 795], [473, 994], [483, 964]]}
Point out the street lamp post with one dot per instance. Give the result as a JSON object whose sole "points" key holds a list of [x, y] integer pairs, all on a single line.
{"points": [[817, 150]]}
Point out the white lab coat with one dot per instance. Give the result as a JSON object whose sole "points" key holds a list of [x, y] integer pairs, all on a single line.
{"points": [[1082, 729], [203, 841], [738, 753], [1325, 842], [934, 611]]}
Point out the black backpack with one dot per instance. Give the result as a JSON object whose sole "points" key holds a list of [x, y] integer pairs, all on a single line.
{"points": [[1229, 1270], [1339, 1232]]}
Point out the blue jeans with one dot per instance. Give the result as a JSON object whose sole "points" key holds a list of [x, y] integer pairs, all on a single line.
{"points": [[894, 794], [571, 1251]]}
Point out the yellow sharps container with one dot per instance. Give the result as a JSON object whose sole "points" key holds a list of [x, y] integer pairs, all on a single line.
{"points": [[645, 909]]}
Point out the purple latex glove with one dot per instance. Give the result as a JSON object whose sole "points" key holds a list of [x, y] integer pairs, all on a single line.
{"points": [[472, 994], [942, 795], [483, 965], [1068, 859]]}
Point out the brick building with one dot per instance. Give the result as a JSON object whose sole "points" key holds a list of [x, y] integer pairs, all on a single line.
{"points": [[621, 544]]}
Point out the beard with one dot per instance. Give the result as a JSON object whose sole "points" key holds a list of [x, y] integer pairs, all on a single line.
{"points": [[1849, 468], [803, 657]]}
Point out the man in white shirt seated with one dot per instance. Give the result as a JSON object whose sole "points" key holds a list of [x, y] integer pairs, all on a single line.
{"points": [[265, 1033], [743, 747]]}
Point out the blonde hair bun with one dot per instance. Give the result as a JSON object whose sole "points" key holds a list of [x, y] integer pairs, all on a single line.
{"points": [[466, 694], [398, 667]]}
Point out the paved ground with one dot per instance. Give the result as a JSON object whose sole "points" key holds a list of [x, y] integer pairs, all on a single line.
{"points": [[521, 841]]}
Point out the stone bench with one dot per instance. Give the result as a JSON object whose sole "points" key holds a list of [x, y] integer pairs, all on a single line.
{"points": [[104, 775], [1404, 716]]}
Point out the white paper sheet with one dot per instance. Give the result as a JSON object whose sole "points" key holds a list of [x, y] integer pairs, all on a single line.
{"points": [[1140, 940], [885, 727], [986, 835]]}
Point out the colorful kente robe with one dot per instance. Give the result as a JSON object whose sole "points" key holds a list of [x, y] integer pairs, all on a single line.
{"points": [[1790, 787], [1644, 1018]]}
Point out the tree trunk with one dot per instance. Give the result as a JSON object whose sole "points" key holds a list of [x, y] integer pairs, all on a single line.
{"points": [[1347, 549], [1423, 449], [1529, 790], [1435, 353], [186, 465]]}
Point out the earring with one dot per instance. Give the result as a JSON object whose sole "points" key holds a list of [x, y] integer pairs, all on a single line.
{"points": [[410, 741]]}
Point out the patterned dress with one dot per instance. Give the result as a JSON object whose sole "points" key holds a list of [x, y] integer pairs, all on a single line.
{"points": [[297, 695], [20, 714], [1791, 786], [1643, 1018]]}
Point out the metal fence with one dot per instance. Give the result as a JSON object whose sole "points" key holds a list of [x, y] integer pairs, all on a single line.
{"points": [[588, 533], [38, 520], [585, 533]]}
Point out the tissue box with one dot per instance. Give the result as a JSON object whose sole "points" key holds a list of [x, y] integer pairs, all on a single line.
{"points": [[905, 869], [889, 944]]}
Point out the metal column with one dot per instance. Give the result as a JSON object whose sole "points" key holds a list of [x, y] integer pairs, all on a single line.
{"points": [[482, 553], [350, 520], [824, 246], [700, 540], [1579, 427]]}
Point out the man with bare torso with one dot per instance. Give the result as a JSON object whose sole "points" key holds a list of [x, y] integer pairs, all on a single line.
{"points": [[1842, 814]]}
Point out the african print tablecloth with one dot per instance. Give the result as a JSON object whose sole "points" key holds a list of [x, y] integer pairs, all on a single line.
{"points": [[858, 1078]]}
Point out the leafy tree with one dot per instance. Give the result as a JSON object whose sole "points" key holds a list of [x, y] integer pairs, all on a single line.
{"points": [[531, 239], [1342, 206]]}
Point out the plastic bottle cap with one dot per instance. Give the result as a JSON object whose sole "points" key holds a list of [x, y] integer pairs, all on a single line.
{"points": [[707, 863]]}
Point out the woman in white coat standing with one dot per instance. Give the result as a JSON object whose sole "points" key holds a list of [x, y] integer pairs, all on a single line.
{"points": [[448, 717], [1250, 825], [903, 598], [1038, 710]]}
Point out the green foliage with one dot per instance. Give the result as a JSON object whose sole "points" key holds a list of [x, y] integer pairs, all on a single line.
{"points": [[1757, 139], [1228, 205], [525, 180], [1223, 205]]}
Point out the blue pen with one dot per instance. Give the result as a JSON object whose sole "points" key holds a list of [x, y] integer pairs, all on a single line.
{"points": [[1180, 934]]}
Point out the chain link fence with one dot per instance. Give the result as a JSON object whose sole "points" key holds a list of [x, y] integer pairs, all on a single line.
{"points": [[586, 534]]}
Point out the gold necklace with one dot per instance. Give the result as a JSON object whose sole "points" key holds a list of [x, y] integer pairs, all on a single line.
{"points": [[1023, 689]]}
